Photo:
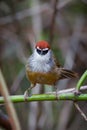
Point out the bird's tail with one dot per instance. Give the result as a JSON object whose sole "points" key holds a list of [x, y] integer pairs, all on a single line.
{"points": [[67, 74]]}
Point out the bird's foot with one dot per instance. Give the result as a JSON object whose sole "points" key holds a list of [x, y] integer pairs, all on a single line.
{"points": [[77, 92], [26, 94]]}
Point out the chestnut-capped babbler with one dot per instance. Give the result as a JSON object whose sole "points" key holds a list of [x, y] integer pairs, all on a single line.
{"points": [[43, 68]]}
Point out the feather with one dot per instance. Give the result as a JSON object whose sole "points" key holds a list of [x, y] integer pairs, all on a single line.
{"points": [[64, 73]]}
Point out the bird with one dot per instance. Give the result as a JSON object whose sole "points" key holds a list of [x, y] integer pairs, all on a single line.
{"points": [[43, 68]]}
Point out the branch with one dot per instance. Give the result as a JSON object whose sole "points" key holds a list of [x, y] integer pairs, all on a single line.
{"points": [[67, 94], [81, 112], [82, 80], [53, 21], [9, 106], [23, 14]]}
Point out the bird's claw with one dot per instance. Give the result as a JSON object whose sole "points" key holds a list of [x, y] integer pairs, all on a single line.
{"points": [[26, 95], [77, 92]]}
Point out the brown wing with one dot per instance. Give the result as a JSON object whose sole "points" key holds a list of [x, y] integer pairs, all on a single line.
{"points": [[64, 73], [56, 61]]}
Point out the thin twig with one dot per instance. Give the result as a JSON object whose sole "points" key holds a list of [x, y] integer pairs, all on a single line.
{"points": [[81, 81], [80, 111], [70, 90], [9, 106], [17, 81], [20, 15], [53, 22]]}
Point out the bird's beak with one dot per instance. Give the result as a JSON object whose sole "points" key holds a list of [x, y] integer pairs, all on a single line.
{"points": [[41, 52]]}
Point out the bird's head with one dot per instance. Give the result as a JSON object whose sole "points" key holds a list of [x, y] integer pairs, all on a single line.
{"points": [[42, 47], [42, 57]]}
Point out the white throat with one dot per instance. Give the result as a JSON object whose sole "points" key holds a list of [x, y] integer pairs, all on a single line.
{"points": [[41, 63]]}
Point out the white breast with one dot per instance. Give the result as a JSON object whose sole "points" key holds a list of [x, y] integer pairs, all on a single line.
{"points": [[41, 63]]}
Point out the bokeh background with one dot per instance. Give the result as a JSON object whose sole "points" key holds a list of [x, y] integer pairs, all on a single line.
{"points": [[63, 23]]}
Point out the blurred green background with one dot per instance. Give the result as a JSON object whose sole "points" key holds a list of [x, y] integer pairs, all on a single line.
{"points": [[63, 23]]}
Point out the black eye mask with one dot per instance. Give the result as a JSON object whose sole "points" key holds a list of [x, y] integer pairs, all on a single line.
{"points": [[41, 51]]}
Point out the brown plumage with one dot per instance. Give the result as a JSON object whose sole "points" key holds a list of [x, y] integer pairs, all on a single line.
{"points": [[51, 77]]}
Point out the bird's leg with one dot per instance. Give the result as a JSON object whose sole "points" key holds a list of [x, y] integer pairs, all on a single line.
{"points": [[26, 93], [55, 86]]}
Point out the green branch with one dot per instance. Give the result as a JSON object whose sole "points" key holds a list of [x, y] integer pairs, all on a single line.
{"points": [[81, 80], [67, 94]]}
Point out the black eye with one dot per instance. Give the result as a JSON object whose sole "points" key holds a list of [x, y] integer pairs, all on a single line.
{"points": [[41, 51], [45, 52]]}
